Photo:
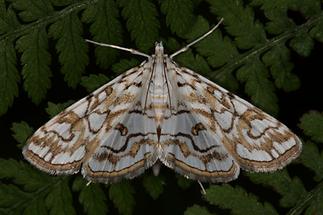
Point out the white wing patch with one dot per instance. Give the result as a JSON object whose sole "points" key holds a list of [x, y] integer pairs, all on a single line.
{"points": [[161, 112], [90, 134], [251, 138]]}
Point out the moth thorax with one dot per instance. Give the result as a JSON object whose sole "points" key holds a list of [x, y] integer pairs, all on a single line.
{"points": [[159, 49]]}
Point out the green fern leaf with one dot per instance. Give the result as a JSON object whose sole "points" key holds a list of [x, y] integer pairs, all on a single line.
{"points": [[9, 76], [92, 81], [30, 10], [59, 200], [196, 63], [122, 196], [104, 13], [35, 59], [183, 182], [141, 21], [21, 131], [36, 207], [302, 44], [71, 47], [28, 196], [219, 50], [37, 191], [312, 202], [239, 22], [23, 174], [312, 158], [237, 200], [11, 195], [54, 109], [179, 15], [8, 19], [316, 206], [290, 189], [317, 31], [312, 125], [307, 8], [153, 185], [92, 197], [196, 29], [124, 65], [197, 210], [278, 59], [276, 12], [258, 85]]}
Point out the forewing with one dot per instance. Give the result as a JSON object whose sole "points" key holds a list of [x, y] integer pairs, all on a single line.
{"points": [[97, 132], [191, 147], [223, 132]]}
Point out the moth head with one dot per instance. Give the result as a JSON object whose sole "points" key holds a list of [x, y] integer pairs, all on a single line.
{"points": [[159, 48]]}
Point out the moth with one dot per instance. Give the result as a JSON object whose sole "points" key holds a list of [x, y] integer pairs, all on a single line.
{"points": [[161, 113]]}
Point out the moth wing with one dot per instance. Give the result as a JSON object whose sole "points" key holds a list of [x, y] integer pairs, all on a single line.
{"points": [[218, 133], [96, 134], [191, 146]]}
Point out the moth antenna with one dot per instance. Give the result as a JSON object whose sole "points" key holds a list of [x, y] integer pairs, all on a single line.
{"points": [[132, 51], [184, 49]]}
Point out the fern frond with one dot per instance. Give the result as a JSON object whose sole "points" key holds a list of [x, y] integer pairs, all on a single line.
{"points": [[91, 196], [23, 174], [258, 85], [312, 158], [93, 82], [179, 15], [196, 63], [21, 131], [122, 196], [312, 125], [124, 65], [8, 19], [11, 195], [197, 210], [9, 76], [237, 200], [142, 22], [277, 60], [310, 203], [153, 185], [31, 10], [71, 47], [276, 13], [291, 189], [183, 182], [240, 23], [33, 191], [54, 109], [106, 14], [302, 44], [219, 50], [35, 59], [59, 199], [250, 34]]}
